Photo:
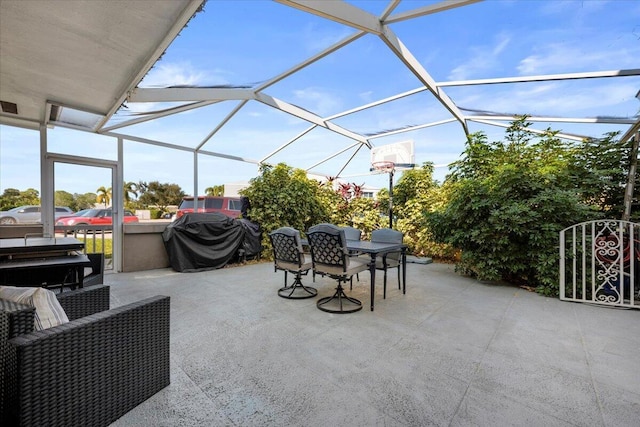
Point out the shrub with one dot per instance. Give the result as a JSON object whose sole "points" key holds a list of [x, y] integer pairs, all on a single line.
{"points": [[283, 196], [416, 195], [508, 202]]}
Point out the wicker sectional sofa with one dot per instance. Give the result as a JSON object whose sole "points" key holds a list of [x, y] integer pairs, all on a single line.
{"points": [[88, 372]]}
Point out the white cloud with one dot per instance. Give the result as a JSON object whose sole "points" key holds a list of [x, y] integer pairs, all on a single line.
{"points": [[366, 96], [323, 103], [318, 38], [558, 99], [173, 74], [482, 59], [165, 74], [553, 57], [562, 8]]}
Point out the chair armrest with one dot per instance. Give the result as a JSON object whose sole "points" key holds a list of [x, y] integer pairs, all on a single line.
{"points": [[92, 370], [84, 301], [19, 317]]}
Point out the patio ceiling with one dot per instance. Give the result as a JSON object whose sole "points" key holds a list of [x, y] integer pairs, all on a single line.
{"points": [[92, 57], [80, 54]]}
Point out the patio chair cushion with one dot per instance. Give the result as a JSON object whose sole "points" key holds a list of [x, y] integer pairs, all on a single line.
{"points": [[49, 312]]}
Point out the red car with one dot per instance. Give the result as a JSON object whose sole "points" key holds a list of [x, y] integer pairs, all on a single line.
{"points": [[230, 206], [94, 217]]}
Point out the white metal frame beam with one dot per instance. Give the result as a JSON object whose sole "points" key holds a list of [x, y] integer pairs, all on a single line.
{"points": [[531, 130], [286, 144], [428, 10], [175, 29], [544, 78], [221, 124], [352, 16], [340, 12], [604, 120], [418, 70], [183, 94], [159, 114], [309, 117]]}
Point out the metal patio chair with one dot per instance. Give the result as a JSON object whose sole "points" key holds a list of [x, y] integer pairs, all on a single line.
{"points": [[390, 259], [289, 257], [330, 257]]}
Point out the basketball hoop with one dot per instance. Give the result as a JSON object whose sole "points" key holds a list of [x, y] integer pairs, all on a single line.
{"points": [[383, 166]]}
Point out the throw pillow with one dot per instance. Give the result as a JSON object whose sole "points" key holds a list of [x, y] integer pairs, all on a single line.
{"points": [[49, 312]]}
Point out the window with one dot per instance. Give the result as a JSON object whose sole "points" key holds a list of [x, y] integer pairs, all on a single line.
{"points": [[235, 205], [213, 203]]}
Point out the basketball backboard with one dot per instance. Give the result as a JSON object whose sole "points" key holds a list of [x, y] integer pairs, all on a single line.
{"points": [[401, 154]]}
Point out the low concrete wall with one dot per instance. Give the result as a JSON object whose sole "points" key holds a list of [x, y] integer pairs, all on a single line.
{"points": [[18, 231], [143, 248]]}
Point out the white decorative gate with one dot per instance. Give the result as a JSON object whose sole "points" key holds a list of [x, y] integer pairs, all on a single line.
{"points": [[600, 263]]}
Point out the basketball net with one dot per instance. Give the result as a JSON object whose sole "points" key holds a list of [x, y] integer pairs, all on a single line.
{"points": [[385, 167]]}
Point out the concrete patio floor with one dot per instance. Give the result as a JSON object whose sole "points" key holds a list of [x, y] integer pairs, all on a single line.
{"points": [[451, 352]]}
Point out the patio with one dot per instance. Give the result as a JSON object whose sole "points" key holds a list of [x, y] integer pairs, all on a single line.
{"points": [[452, 351]]}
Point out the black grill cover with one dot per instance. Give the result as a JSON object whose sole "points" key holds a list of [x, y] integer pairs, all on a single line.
{"points": [[252, 243], [204, 241]]}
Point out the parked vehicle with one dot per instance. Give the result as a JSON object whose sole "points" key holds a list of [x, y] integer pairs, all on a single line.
{"points": [[230, 206], [30, 214], [94, 217]]}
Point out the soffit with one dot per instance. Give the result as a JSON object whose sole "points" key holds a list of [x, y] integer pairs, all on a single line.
{"points": [[83, 54]]}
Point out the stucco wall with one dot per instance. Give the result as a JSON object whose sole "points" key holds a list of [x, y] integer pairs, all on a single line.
{"points": [[143, 247]]}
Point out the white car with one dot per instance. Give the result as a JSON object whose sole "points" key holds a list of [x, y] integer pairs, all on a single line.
{"points": [[29, 214]]}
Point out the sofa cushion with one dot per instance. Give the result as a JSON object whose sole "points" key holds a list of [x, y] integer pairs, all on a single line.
{"points": [[49, 312]]}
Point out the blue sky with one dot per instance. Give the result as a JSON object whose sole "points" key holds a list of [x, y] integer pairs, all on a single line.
{"points": [[249, 42]]}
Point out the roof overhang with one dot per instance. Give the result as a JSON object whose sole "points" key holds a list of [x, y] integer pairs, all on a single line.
{"points": [[82, 56]]}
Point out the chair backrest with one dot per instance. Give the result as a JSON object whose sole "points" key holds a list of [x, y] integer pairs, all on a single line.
{"points": [[287, 246], [328, 245], [352, 233], [387, 235]]}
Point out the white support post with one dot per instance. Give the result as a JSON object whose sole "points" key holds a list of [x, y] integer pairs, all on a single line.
{"points": [[117, 208], [195, 182], [47, 196]]}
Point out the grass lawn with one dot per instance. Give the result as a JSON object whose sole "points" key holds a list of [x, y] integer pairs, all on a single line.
{"points": [[95, 245]]}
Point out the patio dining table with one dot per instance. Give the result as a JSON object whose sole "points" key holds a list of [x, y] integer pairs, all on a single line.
{"points": [[374, 249], [379, 248]]}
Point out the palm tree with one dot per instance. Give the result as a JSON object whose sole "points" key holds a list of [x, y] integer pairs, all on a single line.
{"points": [[130, 188], [216, 190], [104, 195]]}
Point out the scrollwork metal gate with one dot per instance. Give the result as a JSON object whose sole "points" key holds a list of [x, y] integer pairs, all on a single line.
{"points": [[600, 263]]}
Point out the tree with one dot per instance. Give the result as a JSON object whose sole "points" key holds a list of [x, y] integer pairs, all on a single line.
{"points": [[84, 201], [347, 207], [12, 198], [509, 200], [160, 195], [283, 196], [129, 189], [415, 195], [216, 190], [64, 198], [601, 168], [104, 195]]}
